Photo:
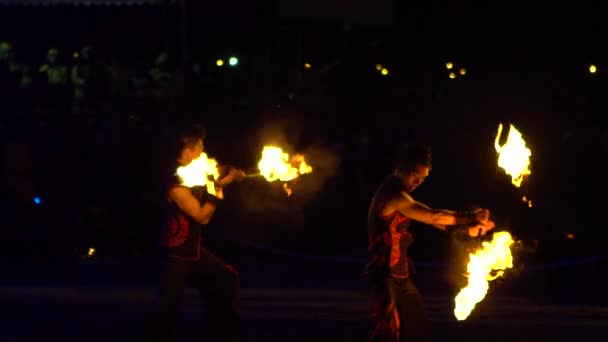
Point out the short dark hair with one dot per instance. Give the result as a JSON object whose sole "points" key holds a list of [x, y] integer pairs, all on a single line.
{"points": [[411, 154], [186, 136]]}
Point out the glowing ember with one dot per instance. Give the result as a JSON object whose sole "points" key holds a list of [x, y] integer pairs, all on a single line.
{"points": [[287, 189], [487, 264], [276, 165], [514, 156], [528, 201], [198, 173]]}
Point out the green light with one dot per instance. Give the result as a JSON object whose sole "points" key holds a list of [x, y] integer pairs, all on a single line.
{"points": [[233, 61]]}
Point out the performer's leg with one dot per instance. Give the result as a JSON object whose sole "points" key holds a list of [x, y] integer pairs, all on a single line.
{"points": [[219, 286], [383, 311], [415, 325], [161, 324]]}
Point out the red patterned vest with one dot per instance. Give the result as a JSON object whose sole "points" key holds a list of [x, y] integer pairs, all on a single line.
{"points": [[389, 237], [182, 234]]}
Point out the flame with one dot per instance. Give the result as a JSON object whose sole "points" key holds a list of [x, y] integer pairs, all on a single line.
{"points": [[492, 257], [197, 173], [287, 189], [276, 165], [514, 156]]}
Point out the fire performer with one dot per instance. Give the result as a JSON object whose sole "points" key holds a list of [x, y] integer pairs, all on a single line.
{"points": [[185, 260], [397, 307]]}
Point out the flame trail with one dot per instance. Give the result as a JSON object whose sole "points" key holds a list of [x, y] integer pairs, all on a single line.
{"points": [[485, 265], [513, 156]]}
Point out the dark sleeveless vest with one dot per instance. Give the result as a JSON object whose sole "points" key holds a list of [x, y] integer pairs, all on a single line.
{"points": [[389, 236], [181, 238]]}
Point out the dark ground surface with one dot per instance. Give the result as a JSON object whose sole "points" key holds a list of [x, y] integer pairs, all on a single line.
{"points": [[292, 298]]}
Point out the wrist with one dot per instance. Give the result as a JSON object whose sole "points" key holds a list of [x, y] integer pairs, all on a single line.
{"points": [[222, 182], [466, 218]]}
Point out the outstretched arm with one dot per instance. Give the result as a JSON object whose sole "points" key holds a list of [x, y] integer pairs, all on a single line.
{"points": [[440, 218]]}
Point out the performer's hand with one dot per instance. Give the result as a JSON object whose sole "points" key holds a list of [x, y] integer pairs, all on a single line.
{"points": [[237, 174], [234, 175], [483, 223], [484, 227], [482, 215]]}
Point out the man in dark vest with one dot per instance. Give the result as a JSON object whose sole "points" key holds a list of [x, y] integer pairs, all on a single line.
{"points": [[187, 261], [397, 307]]}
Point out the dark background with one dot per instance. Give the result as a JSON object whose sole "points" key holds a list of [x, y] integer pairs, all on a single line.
{"points": [[98, 173]]}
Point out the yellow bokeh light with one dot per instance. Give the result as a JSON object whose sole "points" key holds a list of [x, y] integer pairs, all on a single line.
{"points": [[219, 62], [449, 65], [307, 66], [463, 71], [378, 67], [452, 75], [592, 69], [384, 71]]}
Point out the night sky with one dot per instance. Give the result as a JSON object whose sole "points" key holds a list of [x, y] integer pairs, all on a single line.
{"points": [[524, 65]]}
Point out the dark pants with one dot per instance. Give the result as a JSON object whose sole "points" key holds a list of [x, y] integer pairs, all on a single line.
{"points": [[218, 287], [398, 311]]}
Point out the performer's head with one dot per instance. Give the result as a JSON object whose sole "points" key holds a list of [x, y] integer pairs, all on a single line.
{"points": [[413, 165], [190, 142]]}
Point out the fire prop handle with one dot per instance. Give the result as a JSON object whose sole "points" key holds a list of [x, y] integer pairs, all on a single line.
{"points": [[253, 175]]}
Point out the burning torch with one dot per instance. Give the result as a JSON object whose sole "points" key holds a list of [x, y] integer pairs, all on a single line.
{"points": [[276, 165], [491, 258]]}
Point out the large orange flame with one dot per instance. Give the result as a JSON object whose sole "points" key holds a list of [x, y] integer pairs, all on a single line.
{"points": [[513, 156], [276, 165], [486, 264], [199, 172]]}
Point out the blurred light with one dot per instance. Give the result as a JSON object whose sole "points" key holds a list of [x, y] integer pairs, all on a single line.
{"points": [[37, 200], [384, 71], [449, 65], [233, 61], [307, 66], [378, 67], [452, 75], [592, 69], [570, 236], [76, 54], [91, 252], [219, 62], [463, 71]]}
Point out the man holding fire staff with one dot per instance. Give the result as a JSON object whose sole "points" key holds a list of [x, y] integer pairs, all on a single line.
{"points": [[186, 260], [397, 307]]}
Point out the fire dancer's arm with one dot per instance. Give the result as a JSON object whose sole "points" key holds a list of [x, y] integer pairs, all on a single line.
{"points": [[184, 199], [439, 218], [232, 175], [443, 227]]}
